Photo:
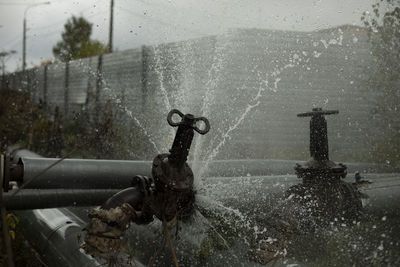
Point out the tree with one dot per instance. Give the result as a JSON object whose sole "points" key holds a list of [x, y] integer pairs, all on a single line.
{"points": [[3, 58], [384, 33], [76, 42]]}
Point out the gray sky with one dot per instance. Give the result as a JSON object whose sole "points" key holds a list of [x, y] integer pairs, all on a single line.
{"points": [[138, 22]]}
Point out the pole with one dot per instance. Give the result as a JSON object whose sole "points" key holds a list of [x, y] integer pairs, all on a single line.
{"points": [[110, 36], [24, 46], [3, 77], [45, 89], [66, 89], [24, 33]]}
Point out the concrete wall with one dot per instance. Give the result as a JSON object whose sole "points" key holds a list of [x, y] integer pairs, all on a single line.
{"points": [[250, 83]]}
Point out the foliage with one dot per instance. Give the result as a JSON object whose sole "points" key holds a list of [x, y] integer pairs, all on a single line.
{"points": [[384, 33], [103, 137], [3, 57], [21, 121], [31, 126], [24, 255], [12, 221], [76, 42], [46, 62]]}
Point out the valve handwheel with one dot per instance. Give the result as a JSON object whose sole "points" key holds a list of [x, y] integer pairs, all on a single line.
{"points": [[188, 120]]}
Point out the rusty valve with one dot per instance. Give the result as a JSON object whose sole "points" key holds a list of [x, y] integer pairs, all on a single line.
{"points": [[184, 135]]}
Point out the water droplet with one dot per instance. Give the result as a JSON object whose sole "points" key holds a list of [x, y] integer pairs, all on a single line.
{"points": [[316, 54]]}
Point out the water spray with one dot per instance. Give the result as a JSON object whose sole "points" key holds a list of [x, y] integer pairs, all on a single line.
{"points": [[319, 168], [167, 195], [329, 196], [322, 197]]}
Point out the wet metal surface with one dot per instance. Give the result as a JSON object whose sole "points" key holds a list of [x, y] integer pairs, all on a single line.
{"points": [[54, 198], [118, 174]]}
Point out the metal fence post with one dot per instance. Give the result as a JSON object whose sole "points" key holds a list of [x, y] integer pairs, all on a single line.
{"points": [[36, 84], [3, 81], [88, 87], [99, 77], [66, 100], [45, 89], [144, 78], [28, 88]]}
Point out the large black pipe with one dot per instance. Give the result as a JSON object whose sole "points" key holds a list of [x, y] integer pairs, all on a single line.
{"points": [[52, 194], [55, 233], [55, 198], [82, 173], [76, 182], [55, 230], [260, 193], [236, 197], [118, 174]]}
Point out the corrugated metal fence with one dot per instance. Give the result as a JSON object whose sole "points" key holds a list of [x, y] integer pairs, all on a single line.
{"points": [[250, 83]]}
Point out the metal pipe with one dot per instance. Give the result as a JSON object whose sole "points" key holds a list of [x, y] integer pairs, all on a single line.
{"points": [[131, 195], [57, 238], [92, 182], [83, 173], [381, 196], [118, 174], [76, 173], [56, 198], [16, 153], [55, 234], [234, 195], [258, 167]]}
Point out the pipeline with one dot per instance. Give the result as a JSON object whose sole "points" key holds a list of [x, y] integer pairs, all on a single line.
{"points": [[118, 174], [171, 175], [29, 199], [54, 232], [95, 187], [226, 172], [82, 173], [56, 239]]}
